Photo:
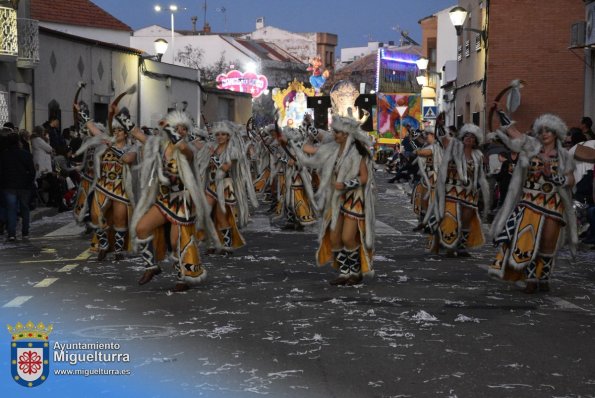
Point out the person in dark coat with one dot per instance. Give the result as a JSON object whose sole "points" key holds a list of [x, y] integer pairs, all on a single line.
{"points": [[16, 180], [56, 138]]}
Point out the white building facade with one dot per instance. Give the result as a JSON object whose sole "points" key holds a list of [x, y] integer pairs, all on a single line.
{"points": [[446, 62]]}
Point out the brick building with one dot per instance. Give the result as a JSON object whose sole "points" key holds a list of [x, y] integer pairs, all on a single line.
{"points": [[525, 40]]}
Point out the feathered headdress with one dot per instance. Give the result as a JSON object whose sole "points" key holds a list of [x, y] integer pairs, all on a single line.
{"points": [[349, 125], [473, 129], [178, 117], [116, 124], [551, 123], [224, 126]]}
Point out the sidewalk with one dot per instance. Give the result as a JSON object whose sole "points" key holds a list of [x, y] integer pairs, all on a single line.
{"points": [[41, 212]]}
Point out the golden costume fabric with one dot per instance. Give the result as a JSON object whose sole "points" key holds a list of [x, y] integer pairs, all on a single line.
{"points": [[173, 200], [325, 255], [260, 183], [237, 240], [280, 191], [299, 205], [459, 195], [111, 181], [523, 233], [82, 196], [352, 204], [417, 198]]}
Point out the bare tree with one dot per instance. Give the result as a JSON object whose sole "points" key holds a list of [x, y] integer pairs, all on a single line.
{"points": [[190, 56], [208, 74]]}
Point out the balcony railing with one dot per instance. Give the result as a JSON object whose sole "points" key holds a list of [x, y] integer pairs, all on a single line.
{"points": [[4, 108], [9, 48], [28, 30]]}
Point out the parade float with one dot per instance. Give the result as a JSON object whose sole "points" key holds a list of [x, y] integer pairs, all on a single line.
{"points": [[292, 103]]}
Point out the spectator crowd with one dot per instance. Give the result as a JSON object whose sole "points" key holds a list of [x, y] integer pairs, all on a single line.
{"points": [[37, 168]]}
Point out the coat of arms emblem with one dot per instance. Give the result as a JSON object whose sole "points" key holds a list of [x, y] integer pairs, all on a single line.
{"points": [[30, 353]]}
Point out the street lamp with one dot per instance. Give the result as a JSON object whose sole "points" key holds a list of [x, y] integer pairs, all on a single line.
{"points": [[428, 87], [160, 48], [458, 15], [422, 63], [172, 9], [250, 67]]}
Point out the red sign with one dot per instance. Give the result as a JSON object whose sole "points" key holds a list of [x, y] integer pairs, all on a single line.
{"points": [[243, 82]]}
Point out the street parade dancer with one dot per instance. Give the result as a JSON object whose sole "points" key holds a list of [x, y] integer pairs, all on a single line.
{"points": [[530, 226], [428, 159], [265, 158], [455, 222], [85, 189], [222, 169], [296, 204], [346, 199], [171, 202], [113, 197]]}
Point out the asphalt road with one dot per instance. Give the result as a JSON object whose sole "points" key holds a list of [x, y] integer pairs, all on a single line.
{"points": [[267, 323]]}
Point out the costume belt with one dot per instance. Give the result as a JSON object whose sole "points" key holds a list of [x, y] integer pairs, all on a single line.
{"points": [[546, 187]]}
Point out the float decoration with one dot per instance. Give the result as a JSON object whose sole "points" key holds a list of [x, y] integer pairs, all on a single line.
{"points": [[292, 103], [248, 82], [319, 76]]}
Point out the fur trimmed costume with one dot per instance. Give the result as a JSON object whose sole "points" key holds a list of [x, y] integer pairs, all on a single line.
{"points": [[356, 201], [112, 183], [533, 199], [460, 182], [233, 189], [424, 193], [168, 184], [297, 202]]}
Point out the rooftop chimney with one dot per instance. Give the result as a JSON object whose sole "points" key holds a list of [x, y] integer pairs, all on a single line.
{"points": [[194, 19], [259, 23], [206, 28]]}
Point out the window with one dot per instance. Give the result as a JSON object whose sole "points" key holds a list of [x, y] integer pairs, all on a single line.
{"points": [[459, 121], [100, 112], [225, 109], [475, 118], [433, 56]]}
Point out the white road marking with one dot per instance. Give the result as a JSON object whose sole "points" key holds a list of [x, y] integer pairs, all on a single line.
{"points": [[84, 255], [557, 301], [563, 304], [71, 229], [46, 282], [263, 224], [17, 301], [68, 268], [387, 230]]}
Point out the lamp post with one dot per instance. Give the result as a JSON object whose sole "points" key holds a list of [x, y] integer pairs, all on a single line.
{"points": [[458, 16], [428, 91], [172, 9], [160, 48]]}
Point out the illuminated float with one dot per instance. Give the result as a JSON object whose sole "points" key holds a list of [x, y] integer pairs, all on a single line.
{"points": [[292, 103]]}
